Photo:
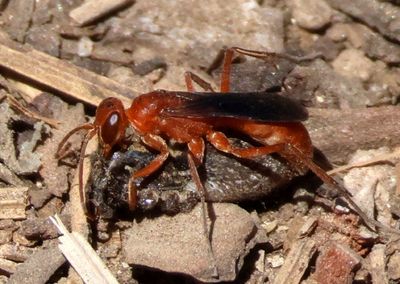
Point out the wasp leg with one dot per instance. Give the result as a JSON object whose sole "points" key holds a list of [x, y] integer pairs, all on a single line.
{"points": [[221, 142], [157, 143], [82, 193], [191, 77], [270, 57], [319, 172], [300, 160], [225, 76], [61, 149], [226, 71], [195, 158]]}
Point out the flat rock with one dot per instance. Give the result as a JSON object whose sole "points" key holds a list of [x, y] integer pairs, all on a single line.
{"points": [[203, 33], [177, 244], [39, 267]]}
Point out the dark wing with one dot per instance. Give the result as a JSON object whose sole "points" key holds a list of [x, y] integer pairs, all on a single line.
{"points": [[260, 106]]}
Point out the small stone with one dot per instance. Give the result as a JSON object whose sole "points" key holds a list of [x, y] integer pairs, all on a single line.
{"points": [[336, 264], [353, 63], [38, 197], [338, 32], [19, 15], [8, 224], [393, 267], [361, 37], [112, 247], [38, 228], [21, 240], [111, 53], [260, 263], [15, 252], [45, 39], [377, 264], [311, 14], [39, 267], [103, 236], [275, 260], [270, 226], [378, 15], [85, 47], [333, 88], [372, 186], [5, 236], [7, 267]]}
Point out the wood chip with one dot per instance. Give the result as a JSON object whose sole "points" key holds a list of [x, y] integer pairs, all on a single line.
{"points": [[82, 256], [60, 75], [308, 227], [13, 201], [92, 10], [296, 262]]}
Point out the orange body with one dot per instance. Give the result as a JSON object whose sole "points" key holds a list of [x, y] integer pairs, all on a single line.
{"points": [[146, 117], [160, 116]]}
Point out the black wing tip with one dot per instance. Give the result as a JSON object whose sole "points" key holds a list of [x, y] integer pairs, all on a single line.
{"points": [[260, 106], [303, 112]]}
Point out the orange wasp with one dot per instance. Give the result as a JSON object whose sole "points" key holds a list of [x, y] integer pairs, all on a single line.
{"points": [[271, 120]]}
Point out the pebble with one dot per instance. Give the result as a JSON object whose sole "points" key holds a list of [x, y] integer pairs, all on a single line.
{"points": [[336, 264], [371, 186], [38, 228], [353, 63], [311, 14]]}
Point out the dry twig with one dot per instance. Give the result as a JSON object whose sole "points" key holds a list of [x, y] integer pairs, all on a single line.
{"points": [[59, 75], [82, 257], [13, 201]]}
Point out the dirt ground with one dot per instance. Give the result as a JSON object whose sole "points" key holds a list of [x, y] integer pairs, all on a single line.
{"points": [[266, 221]]}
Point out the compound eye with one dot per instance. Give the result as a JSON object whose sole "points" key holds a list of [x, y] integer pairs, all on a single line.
{"points": [[110, 129]]}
